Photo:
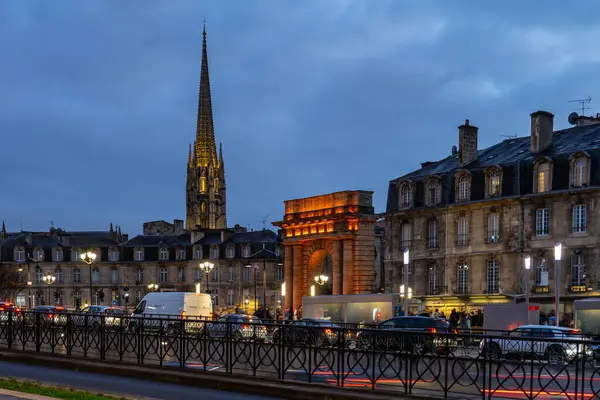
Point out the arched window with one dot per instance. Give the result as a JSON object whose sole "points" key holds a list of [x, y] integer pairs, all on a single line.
{"points": [[197, 252], [203, 185], [139, 254], [113, 254], [230, 252], [246, 251], [164, 253], [463, 188], [494, 184], [203, 207], [38, 254], [433, 193], [405, 196], [19, 254], [542, 178], [580, 172], [181, 253]]}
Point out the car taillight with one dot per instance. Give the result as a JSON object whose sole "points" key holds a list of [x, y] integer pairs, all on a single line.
{"points": [[50, 315], [328, 331], [245, 327], [455, 331], [183, 314], [432, 330]]}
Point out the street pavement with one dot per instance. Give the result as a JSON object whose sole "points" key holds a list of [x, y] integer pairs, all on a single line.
{"points": [[118, 386]]}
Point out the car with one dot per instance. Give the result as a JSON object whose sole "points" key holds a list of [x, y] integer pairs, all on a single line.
{"points": [[237, 327], [542, 342], [92, 315], [312, 331], [55, 315], [412, 334]]}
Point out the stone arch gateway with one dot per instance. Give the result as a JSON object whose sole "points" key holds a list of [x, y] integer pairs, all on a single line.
{"points": [[339, 225]]}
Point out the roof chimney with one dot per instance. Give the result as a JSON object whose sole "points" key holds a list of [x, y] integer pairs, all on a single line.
{"points": [[467, 144], [542, 129]]}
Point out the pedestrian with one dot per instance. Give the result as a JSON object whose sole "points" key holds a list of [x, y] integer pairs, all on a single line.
{"points": [[435, 314]]}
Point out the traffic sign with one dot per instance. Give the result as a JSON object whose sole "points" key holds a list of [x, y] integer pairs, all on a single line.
{"points": [[114, 302]]}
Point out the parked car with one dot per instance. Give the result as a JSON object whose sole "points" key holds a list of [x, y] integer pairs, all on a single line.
{"points": [[550, 343], [412, 334], [312, 331], [237, 327], [55, 315], [93, 315], [7, 309]]}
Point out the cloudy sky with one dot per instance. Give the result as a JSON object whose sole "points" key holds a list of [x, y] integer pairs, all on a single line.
{"points": [[98, 98]]}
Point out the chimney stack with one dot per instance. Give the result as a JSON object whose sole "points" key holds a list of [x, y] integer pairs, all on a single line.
{"points": [[467, 144], [542, 129]]}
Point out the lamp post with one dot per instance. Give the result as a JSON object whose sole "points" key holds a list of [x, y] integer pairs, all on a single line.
{"points": [[207, 267], [153, 287], [264, 252], [49, 280], [557, 260], [89, 257], [29, 282], [405, 280], [527, 269], [321, 279]]}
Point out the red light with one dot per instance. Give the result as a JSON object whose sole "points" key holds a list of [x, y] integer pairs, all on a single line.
{"points": [[534, 308], [183, 314], [432, 330], [455, 331]]}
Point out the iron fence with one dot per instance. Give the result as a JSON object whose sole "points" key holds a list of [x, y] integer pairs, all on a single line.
{"points": [[451, 365]]}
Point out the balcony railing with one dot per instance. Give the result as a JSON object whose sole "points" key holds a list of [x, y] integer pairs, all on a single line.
{"points": [[433, 243], [580, 228], [462, 240], [542, 232], [493, 237]]}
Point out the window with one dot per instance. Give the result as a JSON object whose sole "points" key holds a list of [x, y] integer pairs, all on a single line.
{"points": [[543, 177], [462, 232], [246, 251], [435, 281], [230, 297], [246, 273], [57, 255], [59, 275], [163, 275], [405, 196], [202, 185], [164, 253], [493, 228], [215, 297], [432, 234], [577, 270], [180, 275], [462, 283], [19, 254], [38, 275], [181, 253], [542, 221], [406, 235], [113, 255], [579, 218], [215, 273], [230, 274], [463, 188], [95, 275], [493, 277], [203, 207], [139, 254], [214, 252], [76, 275], [279, 272], [38, 255], [494, 184], [75, 254], [139, 276], [198, 274], [433, 193], [197, 252], [230, 252], [77, 298], [541, 272], [114, 276], [580, 172]]}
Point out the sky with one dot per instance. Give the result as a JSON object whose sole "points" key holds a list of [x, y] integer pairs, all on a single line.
{"points": [[98, 98]]}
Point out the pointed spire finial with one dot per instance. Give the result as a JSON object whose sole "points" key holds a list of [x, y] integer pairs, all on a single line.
{"points": [[220, 154], [204, 33], [3, 234], [111, 227]]}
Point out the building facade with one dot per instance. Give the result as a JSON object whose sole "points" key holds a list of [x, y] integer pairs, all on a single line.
{"points": [[205, 184], [243, 262], [470, 219]]}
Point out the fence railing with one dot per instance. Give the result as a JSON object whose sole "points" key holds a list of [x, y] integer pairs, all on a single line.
{"points": [[434, 363]]}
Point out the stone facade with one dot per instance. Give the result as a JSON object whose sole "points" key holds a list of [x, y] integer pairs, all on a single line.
{"points": [[469, 225]]}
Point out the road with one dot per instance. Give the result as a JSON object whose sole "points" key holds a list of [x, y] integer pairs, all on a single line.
{"points": [[118, 386]]}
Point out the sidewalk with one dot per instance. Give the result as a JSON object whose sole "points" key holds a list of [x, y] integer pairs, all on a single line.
{"points": [[14, 395]]}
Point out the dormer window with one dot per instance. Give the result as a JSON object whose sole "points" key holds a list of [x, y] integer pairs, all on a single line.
{"points": [[164, 254], [214, 252], [57, 255], [181, 253], [138, 254], [580, 169], [113, 254], [197, 252], [494, 184], [19, 254], [38, 254], [433, 189], [230, 252], [405, 196], [463, 186], [75, 255], [543, 176], [246, 251]]}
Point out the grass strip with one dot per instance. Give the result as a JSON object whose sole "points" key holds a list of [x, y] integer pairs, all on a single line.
{"points": [[52, 391]]}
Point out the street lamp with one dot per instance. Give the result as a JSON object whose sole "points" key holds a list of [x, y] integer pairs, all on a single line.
{"points": [[557, 260], [89, 257], [527, 269], [405, 279], [49, 280], [152, 287], [207, 267], [29, 282], [321, 279], [264, 252]]}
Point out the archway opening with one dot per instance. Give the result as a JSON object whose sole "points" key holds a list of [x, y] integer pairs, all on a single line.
{"points": [[320, 264]]}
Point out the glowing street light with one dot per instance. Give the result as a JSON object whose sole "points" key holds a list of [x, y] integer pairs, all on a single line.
{"points": [[49, 280], [557, 260], [527, 269], [89, 257]]}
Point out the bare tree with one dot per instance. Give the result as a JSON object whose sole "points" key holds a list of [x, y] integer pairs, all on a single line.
{"points": [[11, 283]]}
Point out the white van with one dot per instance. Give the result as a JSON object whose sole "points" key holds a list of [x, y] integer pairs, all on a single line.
{"points": [[172, 306]]}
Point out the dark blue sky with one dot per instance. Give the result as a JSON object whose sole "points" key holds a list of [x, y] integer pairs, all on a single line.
{"points": [[98, 98]]}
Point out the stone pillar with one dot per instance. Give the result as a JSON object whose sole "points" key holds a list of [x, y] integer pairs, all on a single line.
{"points": [[364, 257], [288, 273], [337, 267], [348, 267], [298, 285]]}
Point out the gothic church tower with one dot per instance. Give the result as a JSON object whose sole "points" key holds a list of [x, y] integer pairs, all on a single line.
{"points": [[205, 187]]}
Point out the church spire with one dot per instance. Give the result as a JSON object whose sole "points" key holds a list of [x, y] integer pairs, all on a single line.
{"points": [[206, 152], [3, 234], [190, 158], [220, 155]]}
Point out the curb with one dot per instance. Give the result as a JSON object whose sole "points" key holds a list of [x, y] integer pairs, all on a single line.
{"points": [[23, 395], [209, 380]]}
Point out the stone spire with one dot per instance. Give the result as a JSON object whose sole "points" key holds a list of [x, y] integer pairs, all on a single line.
{"points": [[206, 151], [3, 234], [221, 155]]}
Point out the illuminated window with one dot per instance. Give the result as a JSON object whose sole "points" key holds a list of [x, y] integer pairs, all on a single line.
{"points": [[543, 178], [462, 282], [494, 184], [203, 208], [203, 185], [579, 172]]}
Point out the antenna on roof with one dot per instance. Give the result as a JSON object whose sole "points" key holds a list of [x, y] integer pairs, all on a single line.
{"points": [[264, 222], [582, 104], [508, 137]]}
